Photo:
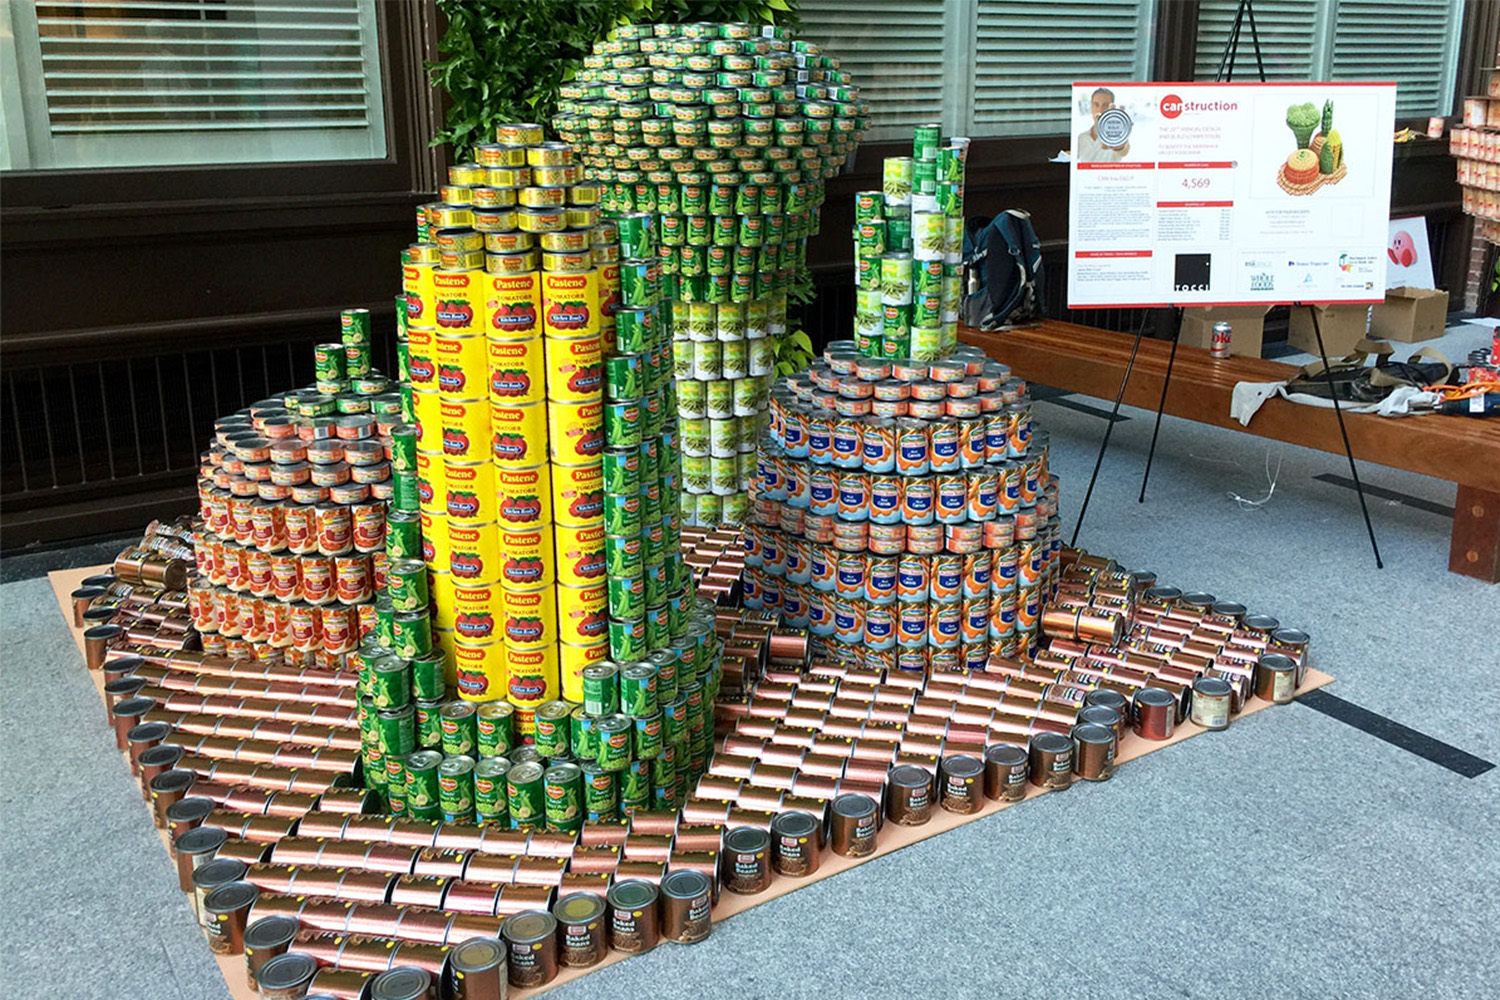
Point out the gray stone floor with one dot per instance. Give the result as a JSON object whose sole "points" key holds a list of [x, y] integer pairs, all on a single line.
{"points": [[1291, 856]]}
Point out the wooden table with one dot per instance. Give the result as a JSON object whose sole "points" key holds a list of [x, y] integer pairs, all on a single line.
{"points": [[1459, 449]]}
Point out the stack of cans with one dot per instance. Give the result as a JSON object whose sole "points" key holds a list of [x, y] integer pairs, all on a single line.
{"points": [[904, 512], [908, 249], [292, 495], [522, 378], [720, 136]]}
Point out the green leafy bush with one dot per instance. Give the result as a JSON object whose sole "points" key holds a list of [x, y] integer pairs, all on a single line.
{"points": [[505, 59]]}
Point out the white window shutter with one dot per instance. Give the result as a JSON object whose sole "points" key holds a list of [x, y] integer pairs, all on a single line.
{"points": [[1420, 52]]}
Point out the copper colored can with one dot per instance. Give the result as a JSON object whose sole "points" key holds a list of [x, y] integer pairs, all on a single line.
{"points": [[794, 843], [286, 977], [686, 904], [634, 925], [1093, 751], [125, 715], [855, 820], [225, 910], [1212, 702], [184, 814], [531, 939], [582, 930], [1154, 713], [1051, 761], [1276, 678], [909, 796], [961, 784], [155, 761], [1005, 769], [746, 861], [401, 982], [340, 984], [478, 969]]}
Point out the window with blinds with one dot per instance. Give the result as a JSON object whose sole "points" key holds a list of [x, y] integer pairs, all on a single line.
{"points": [[979, 67], [1415, 44], [127, 83]]}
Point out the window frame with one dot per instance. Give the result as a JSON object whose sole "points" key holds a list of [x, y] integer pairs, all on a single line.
{"points": [[409, 105]]}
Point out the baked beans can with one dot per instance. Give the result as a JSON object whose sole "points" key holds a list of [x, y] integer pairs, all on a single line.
{"points": [[576, 433], [457, 300], [469, 492], [580, 552], [526, 556], [473, 551], [523, 495], [574, 367], [513, 306], [479, 669], [517, 371], [518, 435]]}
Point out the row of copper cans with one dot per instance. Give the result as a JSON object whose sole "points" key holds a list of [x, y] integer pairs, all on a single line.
{"points": [[246, 687], [716, 559], [207, 664]]}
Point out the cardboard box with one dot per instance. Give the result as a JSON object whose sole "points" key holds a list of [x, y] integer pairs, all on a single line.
{"points": [[1248, 323], [1410, 315], [1343, 325]]}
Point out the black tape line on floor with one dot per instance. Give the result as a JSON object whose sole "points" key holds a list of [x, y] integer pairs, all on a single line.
{"points": [[1405, 499], [1394, 733], [1056, 399]]}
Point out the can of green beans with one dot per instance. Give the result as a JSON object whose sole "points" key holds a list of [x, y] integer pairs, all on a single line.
{"points": [[635, 786], [428, 676], [429, 724], [456, 786], [553, 728], [614, 732], [626, 597], [411, 633], [390, 682], [601, 795], [601, 690], [525, 792], [627, 638], [564, 803], [638, 689], [647, 741], [583, 740], [422, 780], [494, 728], [406, 583], [398, 730], [490, 802], [460, 729]]}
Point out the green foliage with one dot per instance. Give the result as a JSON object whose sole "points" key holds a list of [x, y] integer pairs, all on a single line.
{"points": [[1302, 119], [504, 60], [794, 349]]}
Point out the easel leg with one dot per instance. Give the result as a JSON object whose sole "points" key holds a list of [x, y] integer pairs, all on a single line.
{"points": [[1348, 452], [1109, 428], [1162, 404]]}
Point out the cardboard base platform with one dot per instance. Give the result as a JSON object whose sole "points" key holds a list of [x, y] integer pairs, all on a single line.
{"points": [[892, 838]]}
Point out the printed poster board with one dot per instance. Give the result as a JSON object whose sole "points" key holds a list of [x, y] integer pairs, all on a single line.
{"points": [[1229, 194]]}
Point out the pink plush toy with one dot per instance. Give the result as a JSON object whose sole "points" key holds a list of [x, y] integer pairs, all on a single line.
{"points": [[1403, 249]]}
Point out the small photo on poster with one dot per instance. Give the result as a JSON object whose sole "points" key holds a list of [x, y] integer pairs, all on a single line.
{"points": [[1107, 127], [1317, 142]]}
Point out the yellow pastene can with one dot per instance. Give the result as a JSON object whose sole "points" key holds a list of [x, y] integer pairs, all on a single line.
{"points": [[458, 300], [572, 660], [417, 284], [575, 368], [435, 550], [526, 557], [575, 432], [444, 604], [583, 614], [570, 303], [462, 369], [531, 678], [431, 481], [476, 608], [528, 616], [469, 492], [429, 411], [580, 555], [466, 427], [512, 306], [518, 435], [473, 552], [516, 371], [479, 670], [523, 497], [422, 359], [578, 494]]}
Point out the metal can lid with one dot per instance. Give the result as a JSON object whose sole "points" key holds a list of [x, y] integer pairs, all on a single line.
{"points": [[456, 765], [423, 760], [478, 954], [528, 927], [405, 982], [492, 767], [1057, 742], [285, 972], [1005, 754], [175, 780], [271, 932], [220, 871], [962, 766], [579, 908], [525, 773], [1277, 662], [1212, 687], [689, 883], [189, 810], [632, 894], [562, 773], [148, 731], [746, 840], [200, 840], [231, 896], [793, 824], [910, 776], [853, 805], [164, 754], [1155, 697], [1091, 732]]}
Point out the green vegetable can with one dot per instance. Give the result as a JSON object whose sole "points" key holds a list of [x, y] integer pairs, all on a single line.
{"points": [[422, 781], [553, 728], [638, 690], [583, 738], [429, 724], [456, 788], [525, 793], [614, 742], [564, 791], [494, 725], [601, 691], [397, 729], [390, 682], [601, 795], [490, 802], [427, 677], [896, 180], [460, 729]]}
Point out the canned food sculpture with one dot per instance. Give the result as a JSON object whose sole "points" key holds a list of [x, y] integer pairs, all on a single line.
{"points": [[710, 144]]}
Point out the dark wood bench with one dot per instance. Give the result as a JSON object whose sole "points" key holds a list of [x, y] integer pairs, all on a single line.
{"points": [[1459, 449]]}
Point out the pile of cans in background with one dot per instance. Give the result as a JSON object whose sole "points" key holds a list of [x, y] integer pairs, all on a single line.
{"points": [[545, 446], [904, 511], [718, 137], [293, 495], [908, 249]]}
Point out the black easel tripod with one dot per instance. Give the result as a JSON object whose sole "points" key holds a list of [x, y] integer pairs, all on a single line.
{"points": [[1243, 14]]}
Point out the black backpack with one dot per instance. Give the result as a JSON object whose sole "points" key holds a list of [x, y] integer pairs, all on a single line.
{"points": [[1002, 271]]}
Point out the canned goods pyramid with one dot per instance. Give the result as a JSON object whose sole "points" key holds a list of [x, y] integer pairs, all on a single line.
{"points": [[710, 144]]}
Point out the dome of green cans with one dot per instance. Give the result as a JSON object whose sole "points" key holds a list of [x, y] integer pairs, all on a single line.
{"points": [[711, 144]]}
